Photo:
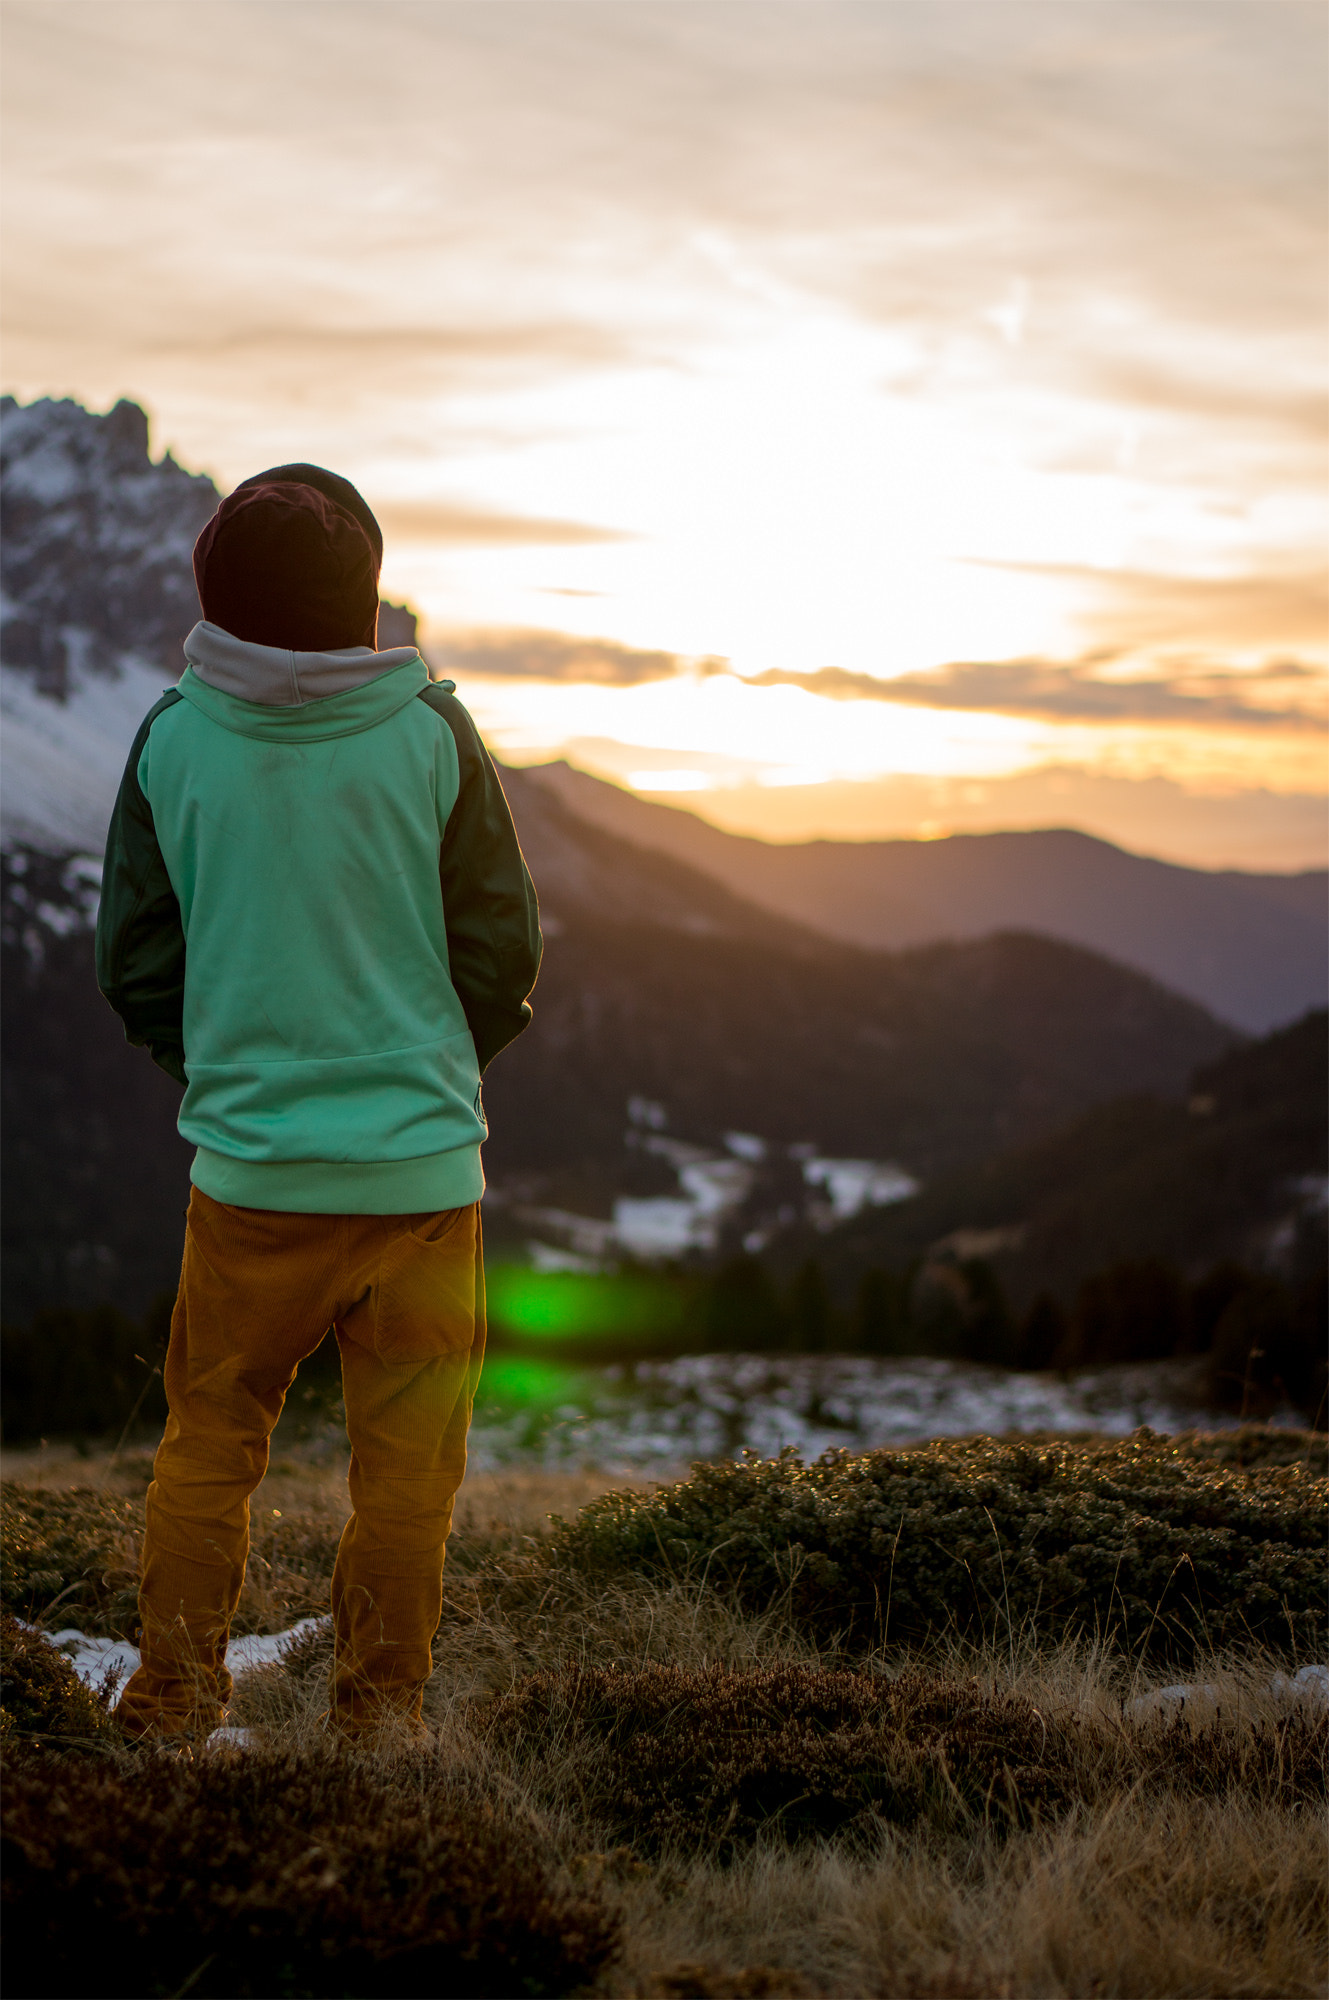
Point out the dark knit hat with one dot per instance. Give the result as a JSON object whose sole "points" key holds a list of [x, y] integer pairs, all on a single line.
{"points": [[333, 486], [284, 562]]}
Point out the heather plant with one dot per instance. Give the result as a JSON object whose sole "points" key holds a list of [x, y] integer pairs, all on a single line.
{"points": [[710, 1760], [299, 1874], [42, 1699], [1135, 1540], [73, 1553]]}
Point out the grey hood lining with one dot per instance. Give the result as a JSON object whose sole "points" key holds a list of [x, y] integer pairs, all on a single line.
{"points": [[278, 679]]}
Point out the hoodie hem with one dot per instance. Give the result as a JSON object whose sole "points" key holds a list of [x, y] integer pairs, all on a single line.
{"points": [[343, 1187]]}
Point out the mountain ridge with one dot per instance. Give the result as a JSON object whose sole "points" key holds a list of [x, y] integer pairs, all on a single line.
{"points": [[1252, 948]]}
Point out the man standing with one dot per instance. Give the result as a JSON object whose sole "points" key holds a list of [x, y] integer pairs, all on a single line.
{"points": [[316, 917]]}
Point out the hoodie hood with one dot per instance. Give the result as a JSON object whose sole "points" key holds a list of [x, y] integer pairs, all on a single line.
{"points": [[276, 678]]}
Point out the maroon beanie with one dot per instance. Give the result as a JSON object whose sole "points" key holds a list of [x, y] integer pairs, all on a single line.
{"points": [[282, 564]]}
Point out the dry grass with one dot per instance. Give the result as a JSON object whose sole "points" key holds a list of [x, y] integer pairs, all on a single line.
{"points": [[1157, 1853], [1136, 1901]]}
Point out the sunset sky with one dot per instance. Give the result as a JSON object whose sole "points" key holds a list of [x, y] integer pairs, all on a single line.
{"points": [[859, 419]]}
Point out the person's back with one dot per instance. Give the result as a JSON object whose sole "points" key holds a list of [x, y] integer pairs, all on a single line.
{"points": [[316, 916]]}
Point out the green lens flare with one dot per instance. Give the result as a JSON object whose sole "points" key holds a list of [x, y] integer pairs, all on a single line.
{"points": [[561, 1305], [512, 1382]]}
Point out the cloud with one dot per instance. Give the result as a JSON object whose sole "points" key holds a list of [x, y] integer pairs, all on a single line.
{"points": [[1128, 609], [1153, 386], [478, 527], [558, 656], [1056, 691]]}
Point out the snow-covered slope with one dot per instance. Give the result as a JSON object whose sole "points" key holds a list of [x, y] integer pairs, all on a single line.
{"points": [[60, 761]]}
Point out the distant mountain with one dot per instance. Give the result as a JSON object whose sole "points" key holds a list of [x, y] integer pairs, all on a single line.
{"points": [[1232, 1168], [1253, 949]]}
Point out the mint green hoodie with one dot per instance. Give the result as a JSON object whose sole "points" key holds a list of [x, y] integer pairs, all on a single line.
{"points": [[315, 913]]}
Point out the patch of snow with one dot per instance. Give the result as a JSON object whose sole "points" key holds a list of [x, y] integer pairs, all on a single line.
{"points": [[1308, 1684], [228, 1738], [857, 1184], [588, 1236], [671, 1225], [1169, 1702], [680, 1153], [659, 1226], [264, 1649], [61, 761], [715, 1186], [93, 1658], [712, 1188], [546, 1257], [660, 1415]]}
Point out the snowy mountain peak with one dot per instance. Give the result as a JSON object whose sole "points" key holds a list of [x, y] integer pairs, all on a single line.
{"points": [[97, 543]]}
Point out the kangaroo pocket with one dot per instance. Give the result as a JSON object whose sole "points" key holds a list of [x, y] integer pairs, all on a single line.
{"points": [[423, 1302], [398, 1104]]}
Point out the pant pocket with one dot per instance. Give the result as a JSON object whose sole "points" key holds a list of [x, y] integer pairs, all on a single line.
{"points": [[424, 1300]]}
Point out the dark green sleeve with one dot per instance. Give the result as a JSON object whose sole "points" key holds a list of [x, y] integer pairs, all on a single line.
{"points": [[140, 939], [489, 906]]}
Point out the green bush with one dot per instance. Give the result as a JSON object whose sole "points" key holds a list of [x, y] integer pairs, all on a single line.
{"points": [[706, 1761], [78, 1550], [1250, 1446], [73, 1555], [276, 1875], [1137, 1539], [42, 1699]]}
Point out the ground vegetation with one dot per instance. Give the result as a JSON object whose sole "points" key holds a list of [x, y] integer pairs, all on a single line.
{"points": [[648, 1777]]}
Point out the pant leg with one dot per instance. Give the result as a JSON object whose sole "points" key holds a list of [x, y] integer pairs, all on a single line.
{"points": [[258, 1291], [411, 1355]]}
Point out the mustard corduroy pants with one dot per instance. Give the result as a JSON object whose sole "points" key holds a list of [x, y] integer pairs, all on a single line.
{"points": [[258, 1290]]}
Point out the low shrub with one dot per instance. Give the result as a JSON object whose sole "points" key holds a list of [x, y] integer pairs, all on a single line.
{"points": [[1137, 1539], [282, 1875], [705, 1761], [42, 1699], [1251, 1446], [76, 1551]]}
